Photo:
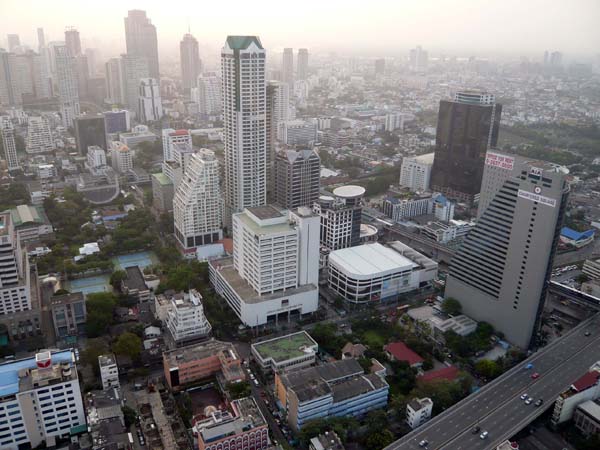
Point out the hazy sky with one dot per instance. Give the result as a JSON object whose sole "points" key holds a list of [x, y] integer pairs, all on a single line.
{"points": [[387, 27]]}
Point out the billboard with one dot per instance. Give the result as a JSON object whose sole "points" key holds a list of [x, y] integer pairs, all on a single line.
{"points": [[499, 160]]}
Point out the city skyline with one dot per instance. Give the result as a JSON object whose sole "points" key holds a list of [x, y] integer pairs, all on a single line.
{"points": [[403, 26]]}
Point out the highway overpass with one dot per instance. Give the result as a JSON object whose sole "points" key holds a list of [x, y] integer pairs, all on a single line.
{"points": [[562, 290], [497, 407]]}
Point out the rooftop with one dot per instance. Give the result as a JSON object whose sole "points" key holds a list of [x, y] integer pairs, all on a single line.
{"points": [[349, 191], [242, 42], [198, 351], [66, 299], [576, 235], [370, 259], [591, 408], [135, 279], [356, 386], [23, 214], [327, 441], [286, 347], [401, 352], [586, 381], [106, 360], [427, 158], [445, 373], [266, 212]]}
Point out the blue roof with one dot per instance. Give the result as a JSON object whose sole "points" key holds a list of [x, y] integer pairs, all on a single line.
{"points": [[569, 233], [9, 371], [441, 199]]}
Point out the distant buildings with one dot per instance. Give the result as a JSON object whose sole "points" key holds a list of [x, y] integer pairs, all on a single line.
{"points": [[90, 130], [418, 411], [297, 178], [415, 172], [150, 104], [10, 87], [121, 157], [287, 67], [67, 81], [140, 39], [418, 59], [292, 351], [117, 121], [109, 371], [132, 69], [467, 127], [500, 272], [302, 64], [189, 56], [7, 133], [297, 132], [379, 66], [39, 137], [207, 94]]}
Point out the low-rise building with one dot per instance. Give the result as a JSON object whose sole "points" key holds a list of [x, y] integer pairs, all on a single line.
{"points": [[134, 284], [398, 209], [109, 371], [68, 314], [585, 388], [373, 272], [576, 238], [587, 418], [285, 352], [30, 223], [418, 411], [328, 440], [446, 232], [351, 350], [242, 428], [187, 365], [591, 267], [186, 320], [106, 423], [399, 351]]}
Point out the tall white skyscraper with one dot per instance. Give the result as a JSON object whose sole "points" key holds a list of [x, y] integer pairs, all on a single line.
{"points": [[244, 116], [191, 66], [150, 105], [207, 94], [7, 133], [287, 67], [39, 136], [302, 67], [197, 204], [68, 93]]}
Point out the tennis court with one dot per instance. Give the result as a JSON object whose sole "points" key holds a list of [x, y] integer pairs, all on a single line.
{"points": [[140, 259], [89, 285]]}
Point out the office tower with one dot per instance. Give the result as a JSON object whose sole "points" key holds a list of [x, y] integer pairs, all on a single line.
{"points": [[278, 109], [14, 270], [207, 94], [41, 39], [121, 157], [418, 59], [297, 178], [39, 136], [190, 61], [150, 104], [274, 272], [298, 132], [90, 130], [302, 64], [500, 272], [13, 42], [287, 67], [83, 75], [244, 117], [68, 94], [340, 218], [467, 127], [41, 400], [92, 57], [415, 172], [175, 138], [30, 75], [10, 87], [140, 39], [72, 41], [132, 70], [114, 87], [197, 204], [379, 66], [117, 121], [7, 132]]}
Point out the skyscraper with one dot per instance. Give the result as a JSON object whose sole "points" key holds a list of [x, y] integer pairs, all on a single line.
{"points": [[297, 178], [13, 42], [467, 127], [41, 39], [197, 204], [68, 93], [140, 39], [418, 59], [287, 67], [278, 110], [10, 87], [7, 133], [114, 89], [90, 130], [39, 136], [500, 272], [207, 93], [244, 116], [190, 61], [72, 41], [132, 70], [150, 104], [302, 65]]}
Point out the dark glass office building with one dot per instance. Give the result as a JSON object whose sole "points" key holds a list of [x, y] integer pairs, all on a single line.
{"points": [[90, 130]]}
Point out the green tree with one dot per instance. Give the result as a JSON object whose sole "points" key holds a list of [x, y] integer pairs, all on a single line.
{"points": [[116, 278], [100, 308], [128, 344], [379, 439], [129, 414], [89, 356], [451, 306], [239, 390], [488, 368]]}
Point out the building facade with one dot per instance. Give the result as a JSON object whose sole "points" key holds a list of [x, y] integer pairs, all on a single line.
{"points": [[140, 40], [415, 173], [90, 130], [418, 411], [7, 133], [117, 121], [68, 314], [189, 57], [67, 81], [186, 320], [207, 94], [297, 178], [150, 104], [302, 64], [39, 136], [109, 371], [121, 157]]}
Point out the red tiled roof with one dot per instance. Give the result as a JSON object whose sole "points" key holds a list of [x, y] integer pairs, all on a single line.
{"points": [[401, 352], [447, 373], [227, 245], [179, 132], [586, 381]]}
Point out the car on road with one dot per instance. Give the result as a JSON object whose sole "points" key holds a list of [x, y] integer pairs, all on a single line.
{"points": [[483, 435], [423, 443], [255, 381], [535, 375], [524, 397], [529, 400], [476, 429], [587, 333], [539, 403], [528, 366]]}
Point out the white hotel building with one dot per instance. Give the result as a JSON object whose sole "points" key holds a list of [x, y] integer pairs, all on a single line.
{"points": [[274, 270], [186, 320], [40, 400], [373, 272], [415, 172]]}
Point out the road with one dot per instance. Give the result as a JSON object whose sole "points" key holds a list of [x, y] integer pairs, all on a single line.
{"points": [[497, 407]]}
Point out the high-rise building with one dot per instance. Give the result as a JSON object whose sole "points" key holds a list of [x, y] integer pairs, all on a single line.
{"points": [[41, 400], [150, 103], [207, 93], [92, 58], [114, 87], [7, 132], [90, 130], [287, 67], [244, 117], [141, 41], [191, 66], [379, 66], [117, 121], [83, 75], [278, 110], [10, 87], [132, 70], [39, 136], [467, 127], [415, 172], [13, 42], [41, 39], [302, 64], [197, 204], [72, 41], [68, 93], [297, 132], [14, 270], [418, 59], [297, 178], [500, 272], [173, 141], [31, 75], [121, 157]]}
